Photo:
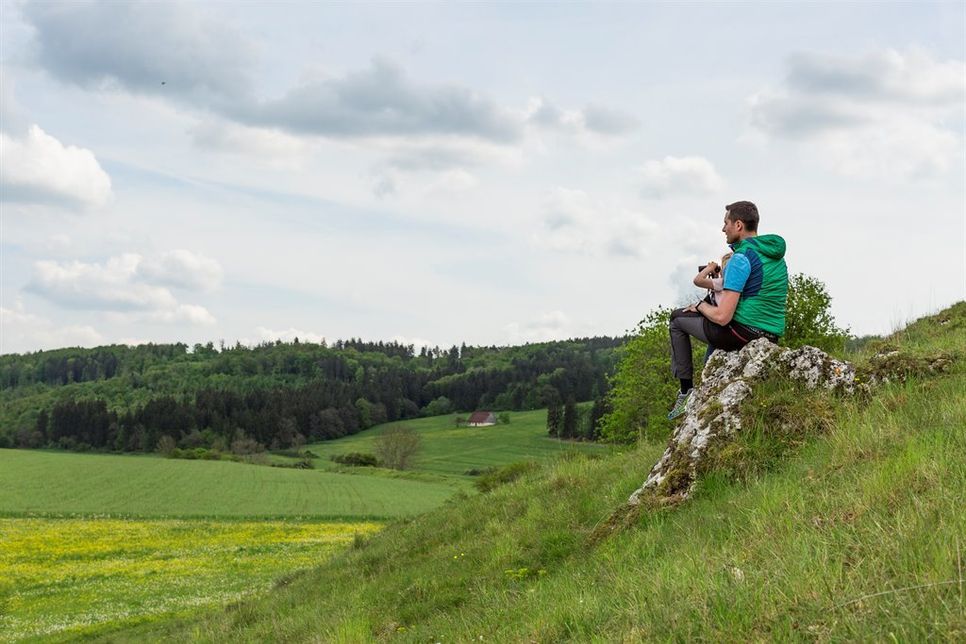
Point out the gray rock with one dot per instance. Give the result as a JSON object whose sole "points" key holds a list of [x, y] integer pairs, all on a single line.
{"points": [[712, 413]]}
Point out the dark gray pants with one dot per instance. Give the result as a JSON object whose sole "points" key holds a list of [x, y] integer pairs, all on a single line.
{"points": [[691, 324], [684, 326]]}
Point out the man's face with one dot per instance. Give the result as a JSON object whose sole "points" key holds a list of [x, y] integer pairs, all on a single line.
{"points": [[732, 230]]}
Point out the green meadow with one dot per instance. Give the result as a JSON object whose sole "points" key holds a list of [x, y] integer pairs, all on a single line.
{"points": [[95, 542], [66, 577], [452, 451], [54, 483]]}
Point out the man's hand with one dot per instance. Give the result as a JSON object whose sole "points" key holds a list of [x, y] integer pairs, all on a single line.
{"points": [[712, 267]]}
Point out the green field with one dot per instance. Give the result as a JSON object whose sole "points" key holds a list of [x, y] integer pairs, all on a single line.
{"points": [[67, 577], [52, 483], [92, 542], [450, 450]]}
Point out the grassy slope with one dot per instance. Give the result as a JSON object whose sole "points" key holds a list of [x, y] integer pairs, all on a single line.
{"points": [[450, 450], [857, 535]]}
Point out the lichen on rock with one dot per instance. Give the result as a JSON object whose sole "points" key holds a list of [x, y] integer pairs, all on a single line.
{"points": [[712, 416]]}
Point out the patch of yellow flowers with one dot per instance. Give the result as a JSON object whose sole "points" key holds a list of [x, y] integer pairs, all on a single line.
{"points": [[80, 575]]}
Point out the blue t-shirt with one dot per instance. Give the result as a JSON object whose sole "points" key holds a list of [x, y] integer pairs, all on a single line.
{"points": [[736, 273]]}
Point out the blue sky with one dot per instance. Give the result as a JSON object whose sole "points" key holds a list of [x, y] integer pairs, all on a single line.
{"points": [[488, 173]]}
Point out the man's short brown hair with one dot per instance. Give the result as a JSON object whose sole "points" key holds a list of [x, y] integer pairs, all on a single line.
{"points": [[745, 212]]}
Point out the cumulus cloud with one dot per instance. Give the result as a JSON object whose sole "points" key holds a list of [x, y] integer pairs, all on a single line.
{"points": [[110, 286], [435, 166], [181, 269], [182, 52], [122, 284], [288, 335], [190, 313], [596, 119], [167, 48], [381, 101], [605, 120], [225, 136], [437, 157], [190, 54], [553, 325], [574, 222], [688, 176], [22, 332], [886, 113], [37, 168]]}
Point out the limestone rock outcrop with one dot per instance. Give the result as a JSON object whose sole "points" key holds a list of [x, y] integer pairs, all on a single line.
{"points": [[712, 413]]}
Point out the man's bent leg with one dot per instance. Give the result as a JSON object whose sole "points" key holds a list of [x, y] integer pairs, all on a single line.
{"points": [[684, 325]]}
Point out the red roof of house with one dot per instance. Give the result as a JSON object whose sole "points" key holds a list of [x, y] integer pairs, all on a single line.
{"points": [[480, 416]]}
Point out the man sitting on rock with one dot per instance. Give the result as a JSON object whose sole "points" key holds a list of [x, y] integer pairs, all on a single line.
{"points": [[751, 306]]}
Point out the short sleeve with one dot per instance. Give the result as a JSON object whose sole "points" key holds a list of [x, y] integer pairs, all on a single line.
{"points": [[737, 272]]}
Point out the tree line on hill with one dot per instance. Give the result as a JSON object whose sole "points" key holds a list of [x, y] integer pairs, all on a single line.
{"points": [[277, 394]]}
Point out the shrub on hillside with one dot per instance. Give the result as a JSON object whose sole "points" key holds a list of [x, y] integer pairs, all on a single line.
{"points": [[438, 407], [357, 459], [479, 471], [195, 454], [244, 446], [301, 464], [397, 447], [808, 318], [642, 387], [506, 474], [166, 445]]}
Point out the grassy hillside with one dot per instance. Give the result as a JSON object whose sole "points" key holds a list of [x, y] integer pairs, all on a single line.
{"points": [[857, 534], [450, 450]]}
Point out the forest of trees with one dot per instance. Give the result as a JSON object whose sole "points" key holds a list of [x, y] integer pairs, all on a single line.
{"points": [[122, 398]]}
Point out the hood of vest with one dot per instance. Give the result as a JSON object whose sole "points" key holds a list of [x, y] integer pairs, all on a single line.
{"points": [[770, 246]]}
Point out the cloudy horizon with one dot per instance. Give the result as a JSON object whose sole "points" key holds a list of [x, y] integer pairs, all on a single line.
{"points": [[489, 174]]}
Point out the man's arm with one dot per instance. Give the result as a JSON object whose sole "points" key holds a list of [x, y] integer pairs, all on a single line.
{"points": [[721, 314], [703, 279]]}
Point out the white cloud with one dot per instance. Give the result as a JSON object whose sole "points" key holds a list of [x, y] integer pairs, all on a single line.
{"points": [[574, 222], [171, 49], [181, 269], [225, 136], [608, 121], [117, 285], [190, 313], [453, 181], [688, 176], [39, 168], [418, 343], [553, 325], [288, 335], [21, 331], [382, 101], [596, 119], [111, 286], [884, 114]]}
